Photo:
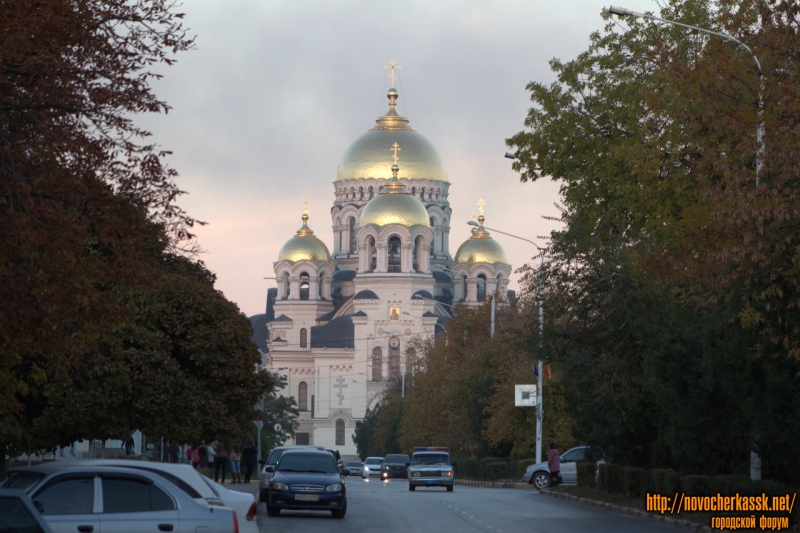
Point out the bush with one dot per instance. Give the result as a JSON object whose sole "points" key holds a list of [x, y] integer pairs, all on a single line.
{"points": [[612, 478], [496, 470], [523, 465], [727, 484], [672, 483], [696, 485], [657, 483], [586, 474], [635, 480], [602, 477]]}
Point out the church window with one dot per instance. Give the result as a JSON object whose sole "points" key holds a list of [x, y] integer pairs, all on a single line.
{"points": [[481, 288], [373, 255], [394, 358], [302, 396], [340, 432], [394, 253], [422, 194], [302, 439], [304, 286], [352, 235], [361, 193], [433, 222], [371, 192], [352, 193], [414, 192], [377, 364], [303, 338]]}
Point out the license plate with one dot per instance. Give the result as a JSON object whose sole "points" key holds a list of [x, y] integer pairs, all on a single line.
{"points": [[430, 482], [307, 497]]}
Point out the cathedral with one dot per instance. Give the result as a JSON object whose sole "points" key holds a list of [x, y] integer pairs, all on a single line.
{"points": [[340, 323]]}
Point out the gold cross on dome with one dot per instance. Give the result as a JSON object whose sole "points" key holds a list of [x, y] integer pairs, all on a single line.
{"points": [[392, 65], [395, 148], [481, 205], [305, 206]]}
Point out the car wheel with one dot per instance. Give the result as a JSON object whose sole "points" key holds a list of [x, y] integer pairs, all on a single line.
{"points": [[339, 513], [541, 480], [411, 487], [449, 488], [273, 511]]}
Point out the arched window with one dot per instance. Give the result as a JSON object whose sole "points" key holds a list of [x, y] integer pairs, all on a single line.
{"points": [[394, 358], [371, 192], [304, 286], [433, 222], [481, 288], [394, 253], [422, 193], [303, 338], [302, 396], [352, 235], [377, 364], [414, 191], [340, 432], [373, 259]]}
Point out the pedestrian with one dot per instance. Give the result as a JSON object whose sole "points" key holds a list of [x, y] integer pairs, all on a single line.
{"points": [[554, 464], [221, 463], [129, 445], [212, 458], [202, 457], [249, 459], [189, 452], [234, 460]]}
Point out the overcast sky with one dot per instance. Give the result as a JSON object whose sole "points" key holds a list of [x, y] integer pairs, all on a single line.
{"points": [[276, 91]]}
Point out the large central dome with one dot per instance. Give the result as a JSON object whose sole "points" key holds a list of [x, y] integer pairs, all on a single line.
{"points": [[371, 155]]}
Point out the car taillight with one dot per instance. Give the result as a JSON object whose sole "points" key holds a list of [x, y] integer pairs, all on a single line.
{"points": [[253, 512], [214, 502], [235, 522]]}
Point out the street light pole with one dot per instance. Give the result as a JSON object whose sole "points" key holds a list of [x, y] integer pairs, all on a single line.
{"points": [[760, 133], [539, 364]]}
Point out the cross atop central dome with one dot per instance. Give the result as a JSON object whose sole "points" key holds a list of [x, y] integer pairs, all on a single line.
{"points": [[371, 155]]}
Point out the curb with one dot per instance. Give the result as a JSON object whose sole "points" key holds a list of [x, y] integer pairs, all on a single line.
{"points": [[644, 515]]}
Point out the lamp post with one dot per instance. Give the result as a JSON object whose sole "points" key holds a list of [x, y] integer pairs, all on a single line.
{"points": [[760, 134], [434, 324], [540, 366]]}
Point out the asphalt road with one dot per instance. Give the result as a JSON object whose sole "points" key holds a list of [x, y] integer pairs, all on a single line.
{"points": [[388, 507]]}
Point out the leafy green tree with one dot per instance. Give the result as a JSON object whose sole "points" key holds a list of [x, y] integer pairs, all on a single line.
{"points": [[278, 409], [364, 434]]}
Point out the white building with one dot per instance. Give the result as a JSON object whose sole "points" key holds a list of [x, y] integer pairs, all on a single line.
{"points": [[339, 323]]}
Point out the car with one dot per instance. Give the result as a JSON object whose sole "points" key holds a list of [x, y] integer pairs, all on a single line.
{"points": [[196, 485], [113, 499], [395, 465], [372, 467], [538, 474], [354, 468], [430, 467], [18, 513], [307, 480], [272, 460], [336, 456]]}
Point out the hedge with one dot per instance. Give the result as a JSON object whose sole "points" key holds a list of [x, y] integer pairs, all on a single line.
{"points": [[636, 481], [657, 480], [696, 485], [586, 474], [672, 482]]}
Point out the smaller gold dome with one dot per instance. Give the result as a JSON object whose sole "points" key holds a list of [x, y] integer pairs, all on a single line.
{"points": [[304, 246], [394, 205], [481, 248]]}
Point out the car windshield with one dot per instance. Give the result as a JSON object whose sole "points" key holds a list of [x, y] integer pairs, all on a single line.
{"points": [[19, 479], [297, 462], [397, 458], [353, 464], [275, 456], [430, 459], [374, 460]]}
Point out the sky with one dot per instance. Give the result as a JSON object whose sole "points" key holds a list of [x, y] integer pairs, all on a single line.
{"points": [[275, 91]]}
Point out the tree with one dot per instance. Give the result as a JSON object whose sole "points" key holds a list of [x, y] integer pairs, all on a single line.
{"points": [[363, 436], [278, 409]]}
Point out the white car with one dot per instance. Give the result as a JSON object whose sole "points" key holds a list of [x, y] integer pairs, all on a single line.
{"points": [[372, 467], [195, 484], [539, 476]]}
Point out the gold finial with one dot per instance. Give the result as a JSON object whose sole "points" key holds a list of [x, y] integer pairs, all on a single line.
{"points": [[392, 65], [481, 205], [395, 148], [305, 206], [395, 169]]}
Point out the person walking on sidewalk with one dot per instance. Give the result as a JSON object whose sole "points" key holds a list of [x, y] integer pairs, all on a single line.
{"points": [[222, 462], [234, 460], [554, 464], [211, 462], [249, 459]]}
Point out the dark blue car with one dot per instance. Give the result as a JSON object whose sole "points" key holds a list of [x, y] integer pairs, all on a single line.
{"points": [[307, 480]]}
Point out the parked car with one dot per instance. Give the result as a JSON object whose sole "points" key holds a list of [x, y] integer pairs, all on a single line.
{"points": [[372, 467], [395, 465], [275, 456], [539, 474], [196, 485], [307, 480], [114, 500], [17, 513], [354, 468], [430, 467]]}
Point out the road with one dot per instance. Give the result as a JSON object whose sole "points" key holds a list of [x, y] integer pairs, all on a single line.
{"points": [[388, 507]]}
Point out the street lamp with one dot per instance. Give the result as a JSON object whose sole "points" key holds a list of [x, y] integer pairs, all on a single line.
{"points": [[760, 131], [540, 366], [434, 324]]}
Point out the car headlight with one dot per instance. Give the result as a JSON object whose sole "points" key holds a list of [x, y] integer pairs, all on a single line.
{"points": [[366, 468], [333, 488], [415, 474], [280, 486], [447, 474]]}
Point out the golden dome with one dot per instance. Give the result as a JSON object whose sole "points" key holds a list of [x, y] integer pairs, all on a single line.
{"points": [[370, 156], [481, 248], [394, 205], [304, 246]]}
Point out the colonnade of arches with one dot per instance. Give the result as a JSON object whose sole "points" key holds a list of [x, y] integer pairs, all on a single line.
{"points": [[474, 285], [366, 193], [304, 281], [394, 249], [346, 239]]}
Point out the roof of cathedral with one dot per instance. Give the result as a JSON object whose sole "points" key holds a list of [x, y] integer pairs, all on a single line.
{"points": [[422, 295], [365, 295], [371, 154], [282, 318], [260, 331], [304, 246], [338, 333], [360, 313], [394, 204], [344, 275], [481, 248]]}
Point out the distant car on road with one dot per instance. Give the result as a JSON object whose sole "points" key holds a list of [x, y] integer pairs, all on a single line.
{"points": [[354, 468], [17, 513], [430, 467], [395, 465], [307, 480], [539, 475], [372, 467]]}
